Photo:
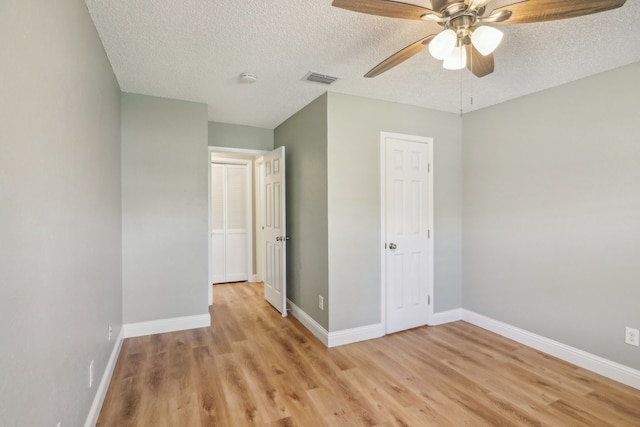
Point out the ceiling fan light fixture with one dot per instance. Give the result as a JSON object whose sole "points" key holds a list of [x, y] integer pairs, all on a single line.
{"points": [[486, 39], [443, 44], [457, 59]]}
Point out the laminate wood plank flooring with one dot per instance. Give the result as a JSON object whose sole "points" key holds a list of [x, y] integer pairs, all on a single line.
{"points": [[253, 367]]}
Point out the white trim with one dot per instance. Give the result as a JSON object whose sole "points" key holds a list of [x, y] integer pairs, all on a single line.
{"points": [[338, 338], [383, 221], [243, 151], [258, 173], [349, 336], [591, 362], [166, 325], [101, 392], [442, 317], [308, 322], [209, 248]]}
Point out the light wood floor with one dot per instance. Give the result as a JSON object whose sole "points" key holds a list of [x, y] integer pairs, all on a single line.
{"points": [[252, 367]]}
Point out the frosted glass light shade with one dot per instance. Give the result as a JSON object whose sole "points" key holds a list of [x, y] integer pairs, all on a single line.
{"points": [[457, 59], [442, 44], [486, 39]]}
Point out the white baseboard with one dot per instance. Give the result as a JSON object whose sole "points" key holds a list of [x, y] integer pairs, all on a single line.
{"points": [[591, 362], [101, 392], [334, 339], [349, 336], [307, 321], [166, 325], [448, 316]]}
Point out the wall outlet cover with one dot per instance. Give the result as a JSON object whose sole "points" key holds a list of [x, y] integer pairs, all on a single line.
{"points": [[632, 336]]}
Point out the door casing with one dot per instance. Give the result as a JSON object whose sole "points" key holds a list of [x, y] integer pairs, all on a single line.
{"points": [[211, 152]]}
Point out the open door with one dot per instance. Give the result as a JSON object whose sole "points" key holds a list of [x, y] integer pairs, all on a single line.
{"points": [[274, 230]]}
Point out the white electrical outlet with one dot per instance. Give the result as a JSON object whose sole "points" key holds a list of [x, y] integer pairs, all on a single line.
{"points": [[320, 302], [91, 374], [632, 336], [110, 332]]}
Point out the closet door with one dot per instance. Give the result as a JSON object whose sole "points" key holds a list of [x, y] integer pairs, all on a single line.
{"points": [[229, 231]]}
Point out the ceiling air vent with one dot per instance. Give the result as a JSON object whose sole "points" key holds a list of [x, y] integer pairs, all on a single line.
{"points": [[320, 78]]}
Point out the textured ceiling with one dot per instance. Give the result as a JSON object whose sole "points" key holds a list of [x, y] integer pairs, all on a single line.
{"points": [[195, 50]]}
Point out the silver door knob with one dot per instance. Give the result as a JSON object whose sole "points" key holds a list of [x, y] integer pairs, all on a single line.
{"points": [[392, 246]]}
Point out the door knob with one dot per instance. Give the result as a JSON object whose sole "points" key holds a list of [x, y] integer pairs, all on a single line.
{"points": [[392, 246]]}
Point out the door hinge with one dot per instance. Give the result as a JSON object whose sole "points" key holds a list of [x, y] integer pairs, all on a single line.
{"points": [[428, 167], [429, 300], [428, 234]]}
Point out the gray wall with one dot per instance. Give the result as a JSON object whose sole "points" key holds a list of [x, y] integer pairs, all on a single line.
{"points": [[304, 136], [164, 208], [60, 265], [551, 213], [354, 126], [240, 136]]}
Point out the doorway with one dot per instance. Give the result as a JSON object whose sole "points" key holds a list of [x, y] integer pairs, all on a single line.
{"points": [[407, 231], [246, 159], [261, 244]]}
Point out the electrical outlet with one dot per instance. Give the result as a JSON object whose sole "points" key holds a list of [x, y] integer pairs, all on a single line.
{"points": [[59, 424], [632, 336], [320, 302], [110, 332], [91, 374]]}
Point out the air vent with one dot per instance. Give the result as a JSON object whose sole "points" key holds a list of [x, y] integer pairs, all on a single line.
{"points": [[320, 78]]}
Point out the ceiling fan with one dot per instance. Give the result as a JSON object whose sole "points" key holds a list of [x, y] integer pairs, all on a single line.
{"points": [[466, 40]]}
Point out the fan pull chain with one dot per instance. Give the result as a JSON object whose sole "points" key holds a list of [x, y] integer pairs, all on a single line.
{"points": [[460, 88], [471, 80], [460, 94], [471, 91]]}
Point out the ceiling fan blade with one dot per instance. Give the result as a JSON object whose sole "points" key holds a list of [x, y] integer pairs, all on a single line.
{"points": [[550, 10], [478, 64], [388, 8], [400, 56]]}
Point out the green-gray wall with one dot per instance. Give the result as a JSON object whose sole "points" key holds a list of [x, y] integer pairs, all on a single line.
{"points": [[551, 222], [240, 136], [333, 204], [354, 126], [164, 208], [60, 258], [304, 136]]}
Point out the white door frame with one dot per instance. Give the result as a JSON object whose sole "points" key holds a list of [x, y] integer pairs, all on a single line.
{"points": [[211, 152], [383, 222]]}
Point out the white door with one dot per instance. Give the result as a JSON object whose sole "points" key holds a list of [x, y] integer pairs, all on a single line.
{"points": [[274, 234], [407, 213], [230, 222]]}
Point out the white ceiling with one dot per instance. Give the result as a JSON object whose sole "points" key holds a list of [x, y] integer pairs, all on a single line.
{"points": [[195, 50]]}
